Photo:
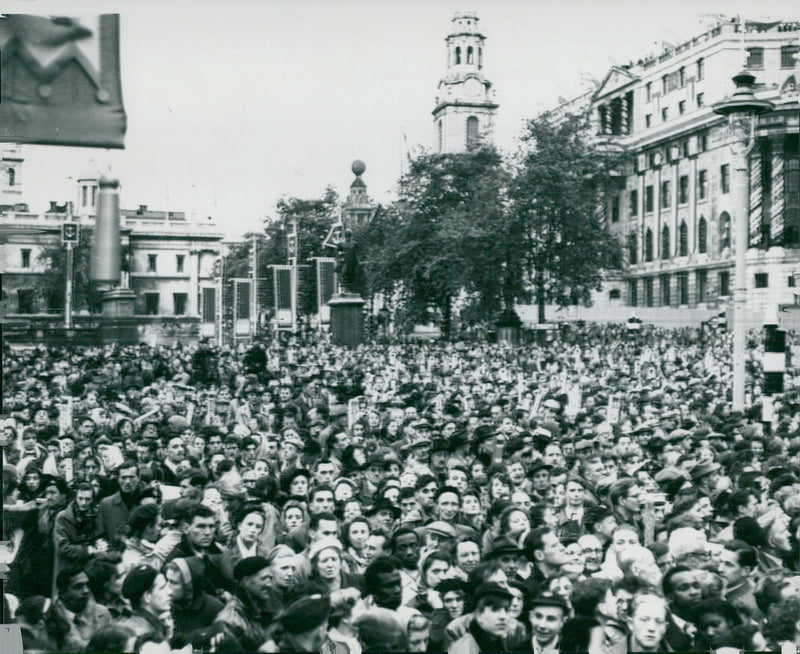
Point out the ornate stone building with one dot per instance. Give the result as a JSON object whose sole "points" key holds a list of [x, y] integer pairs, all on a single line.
{"points": [[465, 106], [672, 207], [168, 260]]}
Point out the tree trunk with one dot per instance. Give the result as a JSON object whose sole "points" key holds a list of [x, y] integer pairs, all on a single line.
{"points": [[540, 298], [446, 317]]}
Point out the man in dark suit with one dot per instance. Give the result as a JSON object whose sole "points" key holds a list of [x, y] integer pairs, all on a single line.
{"points": [[113, 511], [682, 589]]}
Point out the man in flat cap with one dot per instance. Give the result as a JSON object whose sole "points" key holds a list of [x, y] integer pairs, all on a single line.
{"points": [[490, 623], [547, 613]]}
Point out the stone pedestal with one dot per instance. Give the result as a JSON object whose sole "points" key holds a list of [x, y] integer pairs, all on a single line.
{"points": [[508, 335], [347, 320], [118, 324]]}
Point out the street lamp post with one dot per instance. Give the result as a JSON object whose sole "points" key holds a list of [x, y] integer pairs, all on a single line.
{"points": [[741, 109]]}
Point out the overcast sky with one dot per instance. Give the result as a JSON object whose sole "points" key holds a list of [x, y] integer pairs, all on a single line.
{"points": [[233, 105]]}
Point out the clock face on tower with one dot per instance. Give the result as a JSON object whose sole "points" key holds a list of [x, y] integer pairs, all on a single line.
{"points": [[473, 87]]}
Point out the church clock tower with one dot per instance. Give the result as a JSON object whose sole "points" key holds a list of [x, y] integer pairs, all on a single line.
{"points": [[465, 107]]}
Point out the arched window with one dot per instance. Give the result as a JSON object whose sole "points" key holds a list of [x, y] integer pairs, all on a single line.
{"points": [[665, 242], [702, 236], [683, 240], [724, 231], [472, 131], [470, 53], [458, 56], [632, 250], [12, 176], [480, 57], [648, 245], [440, 134]]}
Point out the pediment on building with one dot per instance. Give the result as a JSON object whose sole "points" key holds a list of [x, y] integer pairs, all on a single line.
{"points": [[789, 86], [617, 79]]}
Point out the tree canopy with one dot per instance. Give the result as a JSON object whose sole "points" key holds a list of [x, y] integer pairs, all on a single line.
{"points": [[560, 186]]}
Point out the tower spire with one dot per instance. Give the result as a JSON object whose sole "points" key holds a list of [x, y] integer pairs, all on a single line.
{"points": [[465, 108]]}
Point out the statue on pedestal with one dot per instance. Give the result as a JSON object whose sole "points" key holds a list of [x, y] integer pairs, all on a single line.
{"points": [[348, 266]]}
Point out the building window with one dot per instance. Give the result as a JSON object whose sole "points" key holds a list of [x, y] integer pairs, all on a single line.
{"points": [[724, 231], [702, 236], [666, 298], [480, 58], [724, 283], [25, 300], [762, 280], [683, 189], [648, 89], [701, 65], [458, 56], [700, 100], [12, 176], [664, 84], [702, 142], [648, 120], [26, 258], [683, 240], [665, 242], [702, 184], [179, 303], [633, 292], [702, 285], [665, 114], [84, 196], [648, 199], [633, 202], [151, 262], [791, 176], [665, 195], [179, 259], [209, 304], [614, 294], [615, 209], [648, 245], [755, 58], [682, 107], [470, 54], [725, 178], [788, 53], [790, 281], [441, 135], [683, 288], [632, 250], [682, 77], [472, 131], [648, 292], [151, 304]]}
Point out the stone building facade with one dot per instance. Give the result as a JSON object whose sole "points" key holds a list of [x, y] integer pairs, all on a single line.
{"points": [[168, 261], [672, 206]]}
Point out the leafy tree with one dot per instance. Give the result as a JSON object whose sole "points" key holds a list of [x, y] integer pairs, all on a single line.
{"points": [[445, 237], [51, 284], [560, 184]]}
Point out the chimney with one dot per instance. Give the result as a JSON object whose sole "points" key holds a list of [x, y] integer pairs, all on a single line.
{"points": [[53, 207]]}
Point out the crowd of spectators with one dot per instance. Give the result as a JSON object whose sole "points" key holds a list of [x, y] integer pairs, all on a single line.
{"points": [[593, 493]]}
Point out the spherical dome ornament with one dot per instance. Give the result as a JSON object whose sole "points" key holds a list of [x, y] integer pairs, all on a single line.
{"points": [[358, 167]]}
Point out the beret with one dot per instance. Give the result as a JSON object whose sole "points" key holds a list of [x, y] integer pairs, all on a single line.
{"points": [[139, 580], [305, 614], [249, 566]]}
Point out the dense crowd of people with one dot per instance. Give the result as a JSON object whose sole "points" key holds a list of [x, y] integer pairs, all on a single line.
{"points": [[593, 493]]}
